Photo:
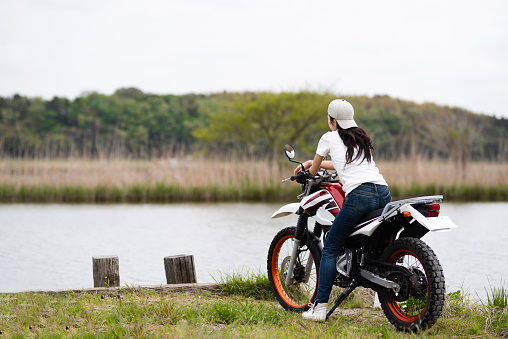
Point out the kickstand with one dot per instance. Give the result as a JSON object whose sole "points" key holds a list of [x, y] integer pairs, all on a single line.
{"points": [[341, 297]]}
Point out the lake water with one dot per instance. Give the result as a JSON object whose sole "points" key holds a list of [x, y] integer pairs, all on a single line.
{"points": [[51, 246]]}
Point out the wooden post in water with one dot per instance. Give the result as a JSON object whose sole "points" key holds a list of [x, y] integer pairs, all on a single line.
{"points": [[180, 269], [106, 271]]}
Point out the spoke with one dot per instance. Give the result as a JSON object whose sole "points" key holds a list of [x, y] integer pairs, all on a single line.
{"points": [[412, 306]]}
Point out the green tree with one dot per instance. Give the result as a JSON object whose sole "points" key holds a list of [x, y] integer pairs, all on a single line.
{"points": [[262, 123]]}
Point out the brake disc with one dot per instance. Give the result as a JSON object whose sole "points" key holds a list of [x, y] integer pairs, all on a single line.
{"points": [[298, 272], [418, 283]]}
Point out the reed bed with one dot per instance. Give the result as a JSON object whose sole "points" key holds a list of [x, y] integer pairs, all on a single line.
{"points": [[200, 179]]}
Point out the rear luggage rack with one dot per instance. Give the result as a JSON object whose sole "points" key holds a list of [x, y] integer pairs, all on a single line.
{"points": [[394, 205]]}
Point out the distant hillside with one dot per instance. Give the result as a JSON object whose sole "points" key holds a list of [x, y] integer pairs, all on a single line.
{"points": [[131, 123]]}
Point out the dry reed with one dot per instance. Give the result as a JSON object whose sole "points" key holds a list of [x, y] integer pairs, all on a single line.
{"points": [[205, 172], [181, 172], [405, 177], [444, 173]]}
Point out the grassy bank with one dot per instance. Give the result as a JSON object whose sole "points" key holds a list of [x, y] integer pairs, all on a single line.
{"points": [[162, 192], [243, 307], [173, 180], [139, 193]]}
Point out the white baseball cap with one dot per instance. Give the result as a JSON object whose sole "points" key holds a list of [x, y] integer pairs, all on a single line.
{"points": [[343, 112]]}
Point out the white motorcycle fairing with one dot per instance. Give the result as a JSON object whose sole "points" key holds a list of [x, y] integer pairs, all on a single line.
{"points": [[321, 206]]}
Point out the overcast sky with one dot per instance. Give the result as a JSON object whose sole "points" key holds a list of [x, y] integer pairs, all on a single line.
{"points": [[453, 53]]}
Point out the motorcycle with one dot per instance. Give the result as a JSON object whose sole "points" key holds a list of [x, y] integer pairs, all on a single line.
{"points": [[384, 253]]}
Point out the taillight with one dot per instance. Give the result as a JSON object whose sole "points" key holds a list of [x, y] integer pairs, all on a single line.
{"points": [[434, 210]]}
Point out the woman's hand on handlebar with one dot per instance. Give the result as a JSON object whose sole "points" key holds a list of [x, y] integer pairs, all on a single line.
{"points": [[300, 177], [306, 164]]}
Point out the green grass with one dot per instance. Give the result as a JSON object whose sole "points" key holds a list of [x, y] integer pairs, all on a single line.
{"points": [[140, 193], [496, 309], [497, 297], [162, 192], [241, 308], [247, 284]]}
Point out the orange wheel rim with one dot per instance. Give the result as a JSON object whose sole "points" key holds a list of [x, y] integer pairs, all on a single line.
{"points": [[276, 277]]}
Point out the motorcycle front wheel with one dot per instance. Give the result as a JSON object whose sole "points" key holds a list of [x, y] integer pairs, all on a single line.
{"points": [[420, 301], [303, 286]]}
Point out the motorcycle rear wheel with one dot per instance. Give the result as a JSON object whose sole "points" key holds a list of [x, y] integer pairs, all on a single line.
{"points": [[303, 287], [420, 302]]}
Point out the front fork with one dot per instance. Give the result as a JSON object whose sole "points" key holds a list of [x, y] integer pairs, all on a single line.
{"points": [[301, 229], [291, 266]]}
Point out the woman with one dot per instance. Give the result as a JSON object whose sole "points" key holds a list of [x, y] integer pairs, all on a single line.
{"points": [[350, 149]]}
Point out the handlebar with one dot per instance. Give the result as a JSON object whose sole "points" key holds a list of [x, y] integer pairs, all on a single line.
{"points": [[301, 177]]}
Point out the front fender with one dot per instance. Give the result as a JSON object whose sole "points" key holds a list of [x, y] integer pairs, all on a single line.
{"points": [[286, 210]]}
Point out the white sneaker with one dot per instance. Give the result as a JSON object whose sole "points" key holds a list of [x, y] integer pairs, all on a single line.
{"points": [[316, 312]]}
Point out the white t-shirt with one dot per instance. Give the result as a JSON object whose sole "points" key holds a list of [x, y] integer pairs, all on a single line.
{"points": [[351, 175]]}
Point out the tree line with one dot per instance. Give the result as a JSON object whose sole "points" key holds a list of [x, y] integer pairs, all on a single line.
{"points": [[130, 123]]}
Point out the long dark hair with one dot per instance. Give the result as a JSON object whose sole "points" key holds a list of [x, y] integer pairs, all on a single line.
{"points": [[356, 138]]}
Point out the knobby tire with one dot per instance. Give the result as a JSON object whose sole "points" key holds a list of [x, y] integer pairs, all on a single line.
{"points": [[304, 284], [424, 299]]}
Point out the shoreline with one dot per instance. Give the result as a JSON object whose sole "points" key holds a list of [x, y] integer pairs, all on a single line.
{"points": [[171, 288]]}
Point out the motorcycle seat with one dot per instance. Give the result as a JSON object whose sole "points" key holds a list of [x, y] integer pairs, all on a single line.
{"points": [[371, 215]]}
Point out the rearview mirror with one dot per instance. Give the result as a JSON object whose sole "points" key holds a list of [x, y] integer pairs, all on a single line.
{"points": [[290, 151]]}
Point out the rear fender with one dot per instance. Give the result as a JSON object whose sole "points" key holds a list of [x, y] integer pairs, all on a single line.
{"points": [[433, 224]]}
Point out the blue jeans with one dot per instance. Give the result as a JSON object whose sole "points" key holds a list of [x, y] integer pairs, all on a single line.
{"points": [[363, 199]]}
